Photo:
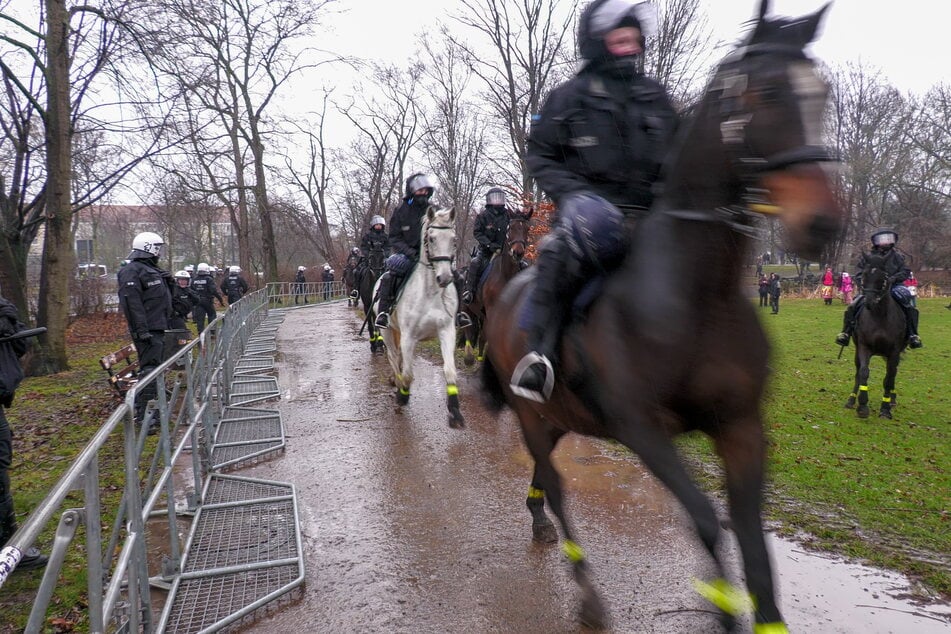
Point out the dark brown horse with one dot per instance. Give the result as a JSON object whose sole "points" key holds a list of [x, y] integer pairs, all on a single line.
{"points": [[502, 268], [879, 331], [671, 344], [370, 273]]}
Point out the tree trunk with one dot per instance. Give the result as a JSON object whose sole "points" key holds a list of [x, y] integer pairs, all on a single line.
{"points": [[12, 274], [58, 265], [268, 245]]}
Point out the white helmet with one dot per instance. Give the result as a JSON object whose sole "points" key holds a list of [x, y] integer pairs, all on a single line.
{"points": [[326, 267], [235, 269], [182, 275], [301, 268], [148, 242], [203, 267], [190, 268], [377, 220]]}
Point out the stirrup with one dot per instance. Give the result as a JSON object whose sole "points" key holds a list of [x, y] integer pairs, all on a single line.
{"points": [[541, 393], [382, 320], [914, 341], [354, 295], [463, 320], [467, 297], [842, 339]]}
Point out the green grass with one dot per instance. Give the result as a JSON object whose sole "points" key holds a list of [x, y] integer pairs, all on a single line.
{"points": [[875, 489]]}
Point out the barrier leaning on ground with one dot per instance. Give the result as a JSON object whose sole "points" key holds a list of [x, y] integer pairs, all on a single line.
{"points": [[164, 479]]}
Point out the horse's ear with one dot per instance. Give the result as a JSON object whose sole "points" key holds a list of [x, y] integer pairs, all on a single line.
{"points": [[430, 213], [452, 215], [763, 9], [531, 210], [811, 25]]}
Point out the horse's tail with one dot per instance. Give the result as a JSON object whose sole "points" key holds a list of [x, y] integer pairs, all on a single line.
{"points": [[492, 395]]}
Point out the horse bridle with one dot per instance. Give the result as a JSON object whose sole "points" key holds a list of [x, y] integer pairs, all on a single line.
{"points": [[431, 259], [512, 243], [749, 163]]}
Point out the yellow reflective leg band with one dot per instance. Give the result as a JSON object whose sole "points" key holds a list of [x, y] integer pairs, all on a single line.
{"points": [[886, 399], [863, 388], [480, 359], [404, 391], [452, 390], [853, 394], [572, 551], [535, 493], [725, 596], [770, 628]]}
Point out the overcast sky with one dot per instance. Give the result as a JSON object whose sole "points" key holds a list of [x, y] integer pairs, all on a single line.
{"points": [[903, 39]]}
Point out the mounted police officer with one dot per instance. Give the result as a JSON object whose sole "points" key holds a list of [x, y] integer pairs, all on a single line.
{"points": [[883, 245], [489, 230], [204, 286], [406, 223], [183, 300], [234, 285], [145, 298], [596, 149]]}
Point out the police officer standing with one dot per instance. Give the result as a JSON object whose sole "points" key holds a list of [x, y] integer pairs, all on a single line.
{"points": [[183, 300], [300, 285], [490, 229], [145, 299], [327, 277], [12, 372], [204, 286], [234, 285]]}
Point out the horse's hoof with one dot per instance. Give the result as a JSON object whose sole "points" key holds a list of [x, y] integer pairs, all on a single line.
{"points": [[850, 403], [885, 414], [862, 412], [456, 421], [544, 533], [592, 614], [401, 399], [468, 361]]}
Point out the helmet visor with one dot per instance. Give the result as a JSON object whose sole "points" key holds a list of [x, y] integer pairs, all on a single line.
{"points": [[422, 181], [883, 239]]}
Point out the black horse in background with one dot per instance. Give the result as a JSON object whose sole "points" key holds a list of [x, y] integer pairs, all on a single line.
{"points": [[880, 331], [366, 280], [644, 365]]}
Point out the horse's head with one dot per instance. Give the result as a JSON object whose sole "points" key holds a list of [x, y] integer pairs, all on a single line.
{"points": [[439, 243], [517, 236], [764, 111], [874, 280]]}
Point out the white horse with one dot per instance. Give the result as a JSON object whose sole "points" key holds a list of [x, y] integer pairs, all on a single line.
{"points": [[427, 307]]}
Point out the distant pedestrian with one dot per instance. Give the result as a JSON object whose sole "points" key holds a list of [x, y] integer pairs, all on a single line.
{"points": [[846, 287], [912, 284], [763, 291], [775, 288], [828, 286]]}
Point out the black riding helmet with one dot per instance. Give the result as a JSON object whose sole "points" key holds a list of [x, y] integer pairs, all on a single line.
{"points": [[602, 16]]}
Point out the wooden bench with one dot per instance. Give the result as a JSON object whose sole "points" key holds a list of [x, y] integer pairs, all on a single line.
{"points": [[122, 377]]}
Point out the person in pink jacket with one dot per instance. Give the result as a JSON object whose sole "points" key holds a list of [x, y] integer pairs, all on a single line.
{"points": [[846, 287]]}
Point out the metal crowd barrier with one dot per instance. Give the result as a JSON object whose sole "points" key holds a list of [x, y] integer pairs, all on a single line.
{"points": [[292, 294], [191, 391]]}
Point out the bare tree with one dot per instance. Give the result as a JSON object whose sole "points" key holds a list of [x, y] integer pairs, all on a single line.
{"points": [[387, 125], [240, 54], [867, 118], [315, 183], [455, 141], [679, 54], [531, 41]]}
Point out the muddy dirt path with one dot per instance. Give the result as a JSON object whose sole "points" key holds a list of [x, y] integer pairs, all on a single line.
{"points": [[410, 526]]}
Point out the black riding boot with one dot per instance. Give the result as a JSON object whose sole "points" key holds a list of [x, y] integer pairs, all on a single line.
{"points": [[911, 322], [558, 275], [848, 323], [387, 283], [472, 279], [32, 558]]}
